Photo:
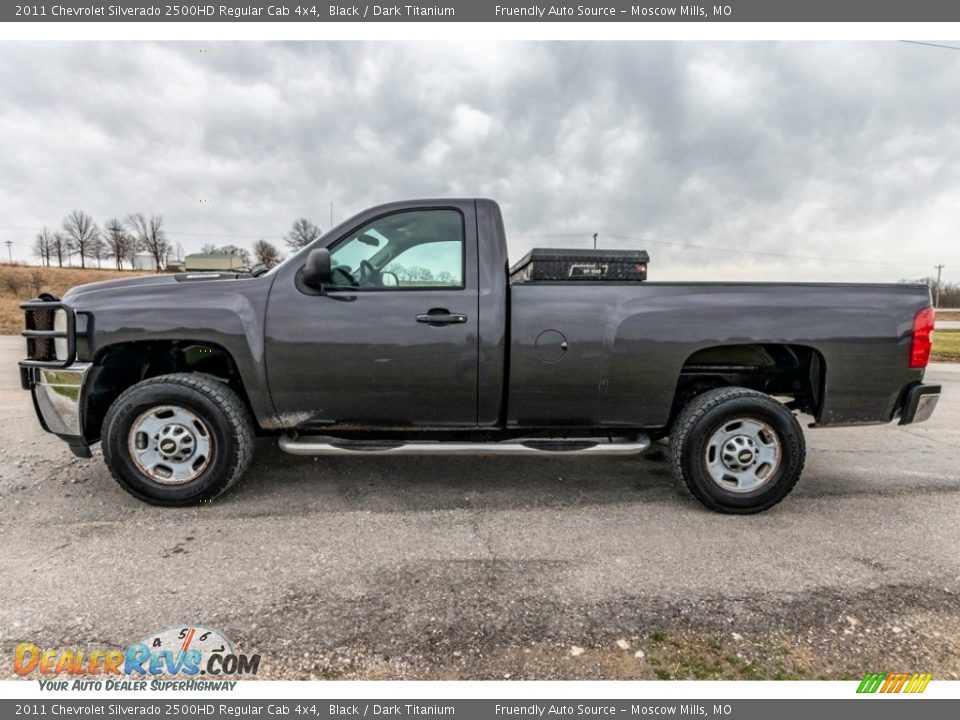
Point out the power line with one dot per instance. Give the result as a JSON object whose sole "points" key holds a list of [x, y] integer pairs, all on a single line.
{"points": [[764, 253], [739, 251], [936, 297], [222, 235], [929, 44], [186, 233]]}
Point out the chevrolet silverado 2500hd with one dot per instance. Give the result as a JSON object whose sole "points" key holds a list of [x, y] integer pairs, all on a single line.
{"points": [[402, 331]]}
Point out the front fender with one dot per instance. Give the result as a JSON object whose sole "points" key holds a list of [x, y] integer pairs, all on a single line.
{"points": [[227, 313]]}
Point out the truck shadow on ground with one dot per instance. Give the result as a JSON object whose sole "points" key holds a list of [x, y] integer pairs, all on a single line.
{"points": [[404, 484], [278, 485], [412, 484]]}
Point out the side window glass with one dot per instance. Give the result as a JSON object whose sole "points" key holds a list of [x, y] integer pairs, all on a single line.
{"points": [[416, 249], [433, 264]]}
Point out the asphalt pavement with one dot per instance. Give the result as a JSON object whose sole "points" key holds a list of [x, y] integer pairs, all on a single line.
{"points": [[490, 568]]}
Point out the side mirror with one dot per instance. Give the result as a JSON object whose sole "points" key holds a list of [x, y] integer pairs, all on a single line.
{"points": [[317, 272]]}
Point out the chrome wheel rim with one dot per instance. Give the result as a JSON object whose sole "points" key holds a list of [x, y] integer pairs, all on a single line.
{"points": [[743, 455], [170, 444]]}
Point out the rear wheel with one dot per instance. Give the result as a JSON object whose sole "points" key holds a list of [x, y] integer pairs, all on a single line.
{"points": [[177, 439], [737, 450]]}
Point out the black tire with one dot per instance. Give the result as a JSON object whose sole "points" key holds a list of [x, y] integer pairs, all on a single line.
{"points": [[227, 430], [713, 412]]}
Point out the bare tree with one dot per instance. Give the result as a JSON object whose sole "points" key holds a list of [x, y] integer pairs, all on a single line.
{"points": [[43, 245], [98, 250], [82, 233], [266, 253], [302, 234], [150, 236], [118, 241], [209, 249], [131, 255], [37, 280], [60, 247]]}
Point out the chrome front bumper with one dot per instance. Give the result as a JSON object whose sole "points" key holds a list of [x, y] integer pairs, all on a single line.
{"points": [[58, 398]]}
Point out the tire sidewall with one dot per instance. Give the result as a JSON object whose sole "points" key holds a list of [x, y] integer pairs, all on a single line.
{"points": [[783, 423], [116, 437]]}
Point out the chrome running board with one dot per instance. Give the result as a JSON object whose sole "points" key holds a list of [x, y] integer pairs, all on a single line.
{"points": [[571, 446]]}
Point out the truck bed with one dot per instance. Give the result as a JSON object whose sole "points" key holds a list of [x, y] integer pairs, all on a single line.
{"points": [[627, 344]]}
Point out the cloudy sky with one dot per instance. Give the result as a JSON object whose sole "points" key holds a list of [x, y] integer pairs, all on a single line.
{"points": [[785, 161]]}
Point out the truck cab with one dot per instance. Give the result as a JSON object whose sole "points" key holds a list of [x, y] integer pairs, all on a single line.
{"points": [[406, 323]]}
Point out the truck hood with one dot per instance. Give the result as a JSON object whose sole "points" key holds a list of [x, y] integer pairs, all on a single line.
{"points": [[131, 286]]}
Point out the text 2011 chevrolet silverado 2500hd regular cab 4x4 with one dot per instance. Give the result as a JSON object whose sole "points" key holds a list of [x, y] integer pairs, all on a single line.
{"points": [[402, 331]]}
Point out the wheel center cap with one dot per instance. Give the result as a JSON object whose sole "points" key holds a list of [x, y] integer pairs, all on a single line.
{"points": [[739, 453], [175, 442]]}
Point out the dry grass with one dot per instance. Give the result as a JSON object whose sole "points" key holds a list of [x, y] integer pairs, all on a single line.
{"points": [[948, 314], [946, 346], [21, 282]]}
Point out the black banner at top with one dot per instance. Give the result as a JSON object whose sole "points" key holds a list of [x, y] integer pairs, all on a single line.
{"points": [[485, 11]]}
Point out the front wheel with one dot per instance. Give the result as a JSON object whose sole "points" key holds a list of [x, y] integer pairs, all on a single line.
{"points": [[177, 439], [737, 450]]}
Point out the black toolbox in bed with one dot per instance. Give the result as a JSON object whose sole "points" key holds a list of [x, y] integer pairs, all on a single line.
{"points": [[579, 264]]}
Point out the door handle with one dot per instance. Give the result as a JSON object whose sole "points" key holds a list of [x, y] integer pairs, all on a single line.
{"points": [[442, 317]]}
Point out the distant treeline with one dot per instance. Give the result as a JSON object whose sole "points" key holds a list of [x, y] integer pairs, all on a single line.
{"points": [[949, 295], [119, 241]]}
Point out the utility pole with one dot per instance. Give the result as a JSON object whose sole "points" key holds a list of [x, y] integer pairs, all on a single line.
{"points": [[10, 250], [595, 240], [936, 295]]}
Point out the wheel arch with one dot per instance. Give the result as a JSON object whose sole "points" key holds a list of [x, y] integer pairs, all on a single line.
{"points": [[121, 365], [794, 371]]}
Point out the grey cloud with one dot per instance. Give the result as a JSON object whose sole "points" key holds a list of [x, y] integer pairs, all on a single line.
{"points": [[822, 149]]}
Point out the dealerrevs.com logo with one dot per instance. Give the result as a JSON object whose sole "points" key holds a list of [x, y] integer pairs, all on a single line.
{"points": [[186, 653]]}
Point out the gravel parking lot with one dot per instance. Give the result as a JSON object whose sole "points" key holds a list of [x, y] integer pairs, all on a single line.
{"points": [[492, 568]]}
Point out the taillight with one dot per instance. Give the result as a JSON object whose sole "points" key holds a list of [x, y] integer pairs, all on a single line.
{"points": [[922, 340]]}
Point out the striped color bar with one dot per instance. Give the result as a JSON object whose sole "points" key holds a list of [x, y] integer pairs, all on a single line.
{"points": [[894, 682], [918, 682]]}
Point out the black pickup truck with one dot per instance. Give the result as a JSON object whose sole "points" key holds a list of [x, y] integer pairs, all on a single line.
{"points": [[402, 331]]}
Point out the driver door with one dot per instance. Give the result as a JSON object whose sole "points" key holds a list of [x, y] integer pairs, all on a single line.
{"points": [[394, 342]]}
